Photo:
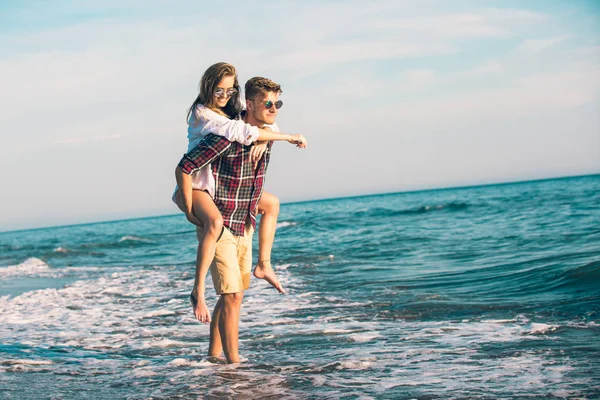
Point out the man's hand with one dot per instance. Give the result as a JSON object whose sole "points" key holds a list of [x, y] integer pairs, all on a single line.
{"points": [[299, 140], [199, 307], [257, 151]]}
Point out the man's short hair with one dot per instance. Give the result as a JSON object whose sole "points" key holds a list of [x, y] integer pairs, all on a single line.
{"points": [[260, 86]]}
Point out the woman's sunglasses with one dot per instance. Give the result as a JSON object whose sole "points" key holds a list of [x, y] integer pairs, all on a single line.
{"points": [[224, 93], [268, 104]]}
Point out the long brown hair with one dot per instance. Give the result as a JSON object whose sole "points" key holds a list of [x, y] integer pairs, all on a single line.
{"points": [[211, 78]]}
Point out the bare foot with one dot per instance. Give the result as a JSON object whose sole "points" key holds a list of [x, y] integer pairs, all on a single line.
{"points": [[264, 271], [216, 359]]}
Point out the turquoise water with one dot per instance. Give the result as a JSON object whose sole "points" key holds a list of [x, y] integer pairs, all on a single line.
{"points": [[485, 292]]}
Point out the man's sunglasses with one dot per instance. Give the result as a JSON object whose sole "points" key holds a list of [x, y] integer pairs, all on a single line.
{"points": [[224, 93], [268, 104]]}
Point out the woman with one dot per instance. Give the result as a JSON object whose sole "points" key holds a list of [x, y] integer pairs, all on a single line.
{"points": [[216, 110]]}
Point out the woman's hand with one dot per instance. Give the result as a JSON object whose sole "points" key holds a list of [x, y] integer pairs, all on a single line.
{"points": [[299, 140], [193, 219], [257, 151]]}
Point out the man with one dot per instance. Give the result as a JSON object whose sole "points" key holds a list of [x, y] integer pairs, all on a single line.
{"points": [[239, 185]]}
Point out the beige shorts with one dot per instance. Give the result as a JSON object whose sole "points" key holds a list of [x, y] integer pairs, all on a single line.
{"points": [[231, 267]]}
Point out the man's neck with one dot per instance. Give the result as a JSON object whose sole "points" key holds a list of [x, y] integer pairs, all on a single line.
{"points": [[250, 120]]}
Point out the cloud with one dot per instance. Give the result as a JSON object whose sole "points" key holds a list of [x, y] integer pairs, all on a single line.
{"points": [[419, 77], [486, 23], [528, 96], [487, 68], [452, 25], [515, 15], [321, 57], [119, 86], [539, 45], [589, 51], [79, 140]]}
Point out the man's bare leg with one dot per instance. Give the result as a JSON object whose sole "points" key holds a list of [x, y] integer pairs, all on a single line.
{"points": [[215, 348], [228, 323], [269, 206]]}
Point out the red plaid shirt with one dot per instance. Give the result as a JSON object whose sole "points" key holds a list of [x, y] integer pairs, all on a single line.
{"points": [[238, 185]]}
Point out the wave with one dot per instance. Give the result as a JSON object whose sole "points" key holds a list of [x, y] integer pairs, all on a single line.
{"points": [[541, 328], [386, 212], [36, 268], [285, 224], [448, 206], [30, 267], [26, 362], [518, 282], [69, 252], [135, 239], [111, 243], [588, 274], [552, 278]]}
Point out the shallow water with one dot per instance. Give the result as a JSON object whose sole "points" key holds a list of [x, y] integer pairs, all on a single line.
{"points": [[487, 292]]}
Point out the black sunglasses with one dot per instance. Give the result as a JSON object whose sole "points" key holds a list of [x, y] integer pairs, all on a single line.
{"points": [[268, 104]]}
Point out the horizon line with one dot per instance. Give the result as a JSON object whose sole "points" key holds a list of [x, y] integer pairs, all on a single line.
{"points": [[322, 200]]}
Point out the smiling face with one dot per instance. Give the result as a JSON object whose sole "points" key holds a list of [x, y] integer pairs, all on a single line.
{"points": [[224, 91], [260, 113]]}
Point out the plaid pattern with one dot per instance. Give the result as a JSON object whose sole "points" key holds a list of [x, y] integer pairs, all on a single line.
{"points": [[239, 185]]}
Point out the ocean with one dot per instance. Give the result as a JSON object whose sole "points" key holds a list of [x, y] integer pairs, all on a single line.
{"points": [[471, 293]]}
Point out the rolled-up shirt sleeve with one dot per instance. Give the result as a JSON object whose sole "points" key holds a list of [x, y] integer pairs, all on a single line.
{"points": [[232, 129], [207, 150]]}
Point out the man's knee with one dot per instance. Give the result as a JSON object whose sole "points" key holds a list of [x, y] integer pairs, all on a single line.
{"points": [[233, 299]]}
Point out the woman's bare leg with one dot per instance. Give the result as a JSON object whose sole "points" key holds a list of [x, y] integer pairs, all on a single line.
{"points": [[268, 206], [207, 212]]}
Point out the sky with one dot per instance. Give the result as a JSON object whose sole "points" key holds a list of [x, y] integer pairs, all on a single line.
{"points": [[392, 96]]}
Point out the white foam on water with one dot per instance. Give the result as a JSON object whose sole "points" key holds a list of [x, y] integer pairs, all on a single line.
{"points": [[146, 313], [86, 313], [30, 267], [181, 362], [319, 380], [451, 357], [285, 224], [113, 291], [334, 331], [364, 337], [497, 321], [159, 313], [307, 294], [541, 329], [165, 343], [134, 239], [144, 373], [26, 362], [36, 268], [356, 364], [283, 321]]}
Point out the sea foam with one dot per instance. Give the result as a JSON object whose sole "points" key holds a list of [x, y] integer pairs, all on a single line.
{"points": [[30, 267]]}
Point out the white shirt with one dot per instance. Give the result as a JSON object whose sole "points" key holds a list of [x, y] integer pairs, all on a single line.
{"points": [[204, 121]]}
